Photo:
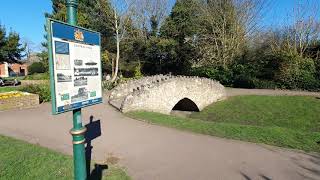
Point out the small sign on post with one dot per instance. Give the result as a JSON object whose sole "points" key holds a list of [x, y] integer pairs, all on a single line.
{"points": [[75, 67]]}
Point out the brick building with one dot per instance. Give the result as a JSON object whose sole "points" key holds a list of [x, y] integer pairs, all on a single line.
{"points": [[15, 69]]}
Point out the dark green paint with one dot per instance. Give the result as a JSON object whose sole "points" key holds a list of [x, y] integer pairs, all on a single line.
{"points": [[80, 172], [72, 11], [51, 66]]}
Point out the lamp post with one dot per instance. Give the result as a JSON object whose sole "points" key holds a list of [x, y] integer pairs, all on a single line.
{"points": [[78, 130]]}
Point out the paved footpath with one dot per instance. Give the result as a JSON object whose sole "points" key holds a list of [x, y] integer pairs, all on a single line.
{"points": [[151, 152]]}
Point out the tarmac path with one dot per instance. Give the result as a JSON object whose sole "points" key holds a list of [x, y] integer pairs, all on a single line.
{"points": [[151, 152]]}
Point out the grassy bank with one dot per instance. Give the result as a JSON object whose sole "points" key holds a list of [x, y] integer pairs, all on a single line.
{"points": [[290, 122], [38, 76], [293, 112], [20, 160], [8, 89]]}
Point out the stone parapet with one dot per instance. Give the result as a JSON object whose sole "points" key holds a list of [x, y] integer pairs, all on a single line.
{"points": [[161, 93], [33, 82]]}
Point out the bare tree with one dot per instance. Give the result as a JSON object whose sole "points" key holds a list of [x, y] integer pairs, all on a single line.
{"points": [[139, 13], [31, 47], [116, 68], [228, 24], [144, 11], [122, 12], [303, 32]]}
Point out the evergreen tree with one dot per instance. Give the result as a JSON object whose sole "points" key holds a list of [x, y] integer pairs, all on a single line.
{"points": [[2, 42], [92, 14], [10, 48], [182, 22], [182, 26]]}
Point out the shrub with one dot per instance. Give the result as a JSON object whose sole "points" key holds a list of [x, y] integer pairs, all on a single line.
{"points": [[244, 82], [43, 90], [36, 67], [295, 72], [108, 85], [38, 76], [243, 76], [264, 84], [225, 76], [137, 71], [277, 70]]}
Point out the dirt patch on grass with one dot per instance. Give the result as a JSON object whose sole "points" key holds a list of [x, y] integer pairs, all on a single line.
{"points": [[111, 159]]}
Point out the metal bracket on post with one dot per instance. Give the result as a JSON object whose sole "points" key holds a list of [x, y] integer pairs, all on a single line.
{"points": [[78, 132], [78, 140]]}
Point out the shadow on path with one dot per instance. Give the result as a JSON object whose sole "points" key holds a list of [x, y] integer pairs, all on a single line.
{"points": [[313, 173], [261, 176], [93, 132]]}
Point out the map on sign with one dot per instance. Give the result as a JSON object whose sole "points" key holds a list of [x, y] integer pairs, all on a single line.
{"points": [[75, 67]]}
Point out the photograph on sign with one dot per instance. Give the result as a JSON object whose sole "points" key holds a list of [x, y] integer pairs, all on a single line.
{"points": [[76, 67], [62, 56]]}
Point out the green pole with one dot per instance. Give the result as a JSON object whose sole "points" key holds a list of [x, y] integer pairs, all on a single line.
{"points": [[78, 130], [72, 11]]}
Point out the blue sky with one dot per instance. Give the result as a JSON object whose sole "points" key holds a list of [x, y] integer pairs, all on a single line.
{"points": [[27, 16]]}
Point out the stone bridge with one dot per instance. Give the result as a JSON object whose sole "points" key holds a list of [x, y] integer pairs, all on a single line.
{"points": [[164, 93]]}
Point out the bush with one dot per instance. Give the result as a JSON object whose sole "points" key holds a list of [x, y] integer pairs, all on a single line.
{"points": [[295, 72], [264, 84], [36, 67], [277, 70], [38, 76], [222, 75], [108, 85], [137, 72], [43, 90], [243, 76]]}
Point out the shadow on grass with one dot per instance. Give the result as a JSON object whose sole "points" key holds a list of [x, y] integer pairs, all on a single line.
{"points": [[97, 172]]}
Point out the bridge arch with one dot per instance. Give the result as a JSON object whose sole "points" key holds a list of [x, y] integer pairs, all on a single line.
{"points": [[186, 104], [163, 93]]}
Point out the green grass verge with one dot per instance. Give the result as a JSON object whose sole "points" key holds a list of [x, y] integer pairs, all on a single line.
{"points": [[293, 112], [15, 77], [20, 160], [270, 130], [38, 76], [8, 89]]}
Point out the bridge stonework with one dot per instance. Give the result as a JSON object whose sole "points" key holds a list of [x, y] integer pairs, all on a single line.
{"points": [[161, 93]]}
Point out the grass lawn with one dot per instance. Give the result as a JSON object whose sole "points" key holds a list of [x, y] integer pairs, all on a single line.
{"points": [[293, 112], [8, 89], [20, 160], [285, 121], [15, 77], [38, 76]]}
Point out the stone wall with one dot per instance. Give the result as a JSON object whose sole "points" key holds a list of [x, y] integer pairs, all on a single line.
{"points": [[33, 82], [162, 92], [23, 102]]}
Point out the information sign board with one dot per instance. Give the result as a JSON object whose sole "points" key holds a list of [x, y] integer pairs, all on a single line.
{"points": [[75, 67]]}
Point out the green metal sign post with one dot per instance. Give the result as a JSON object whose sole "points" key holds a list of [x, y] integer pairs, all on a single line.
{"points": [[78, 130], [75, 76]]}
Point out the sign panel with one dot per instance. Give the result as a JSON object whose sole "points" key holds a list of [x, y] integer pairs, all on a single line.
{"points": [[75, 67]]}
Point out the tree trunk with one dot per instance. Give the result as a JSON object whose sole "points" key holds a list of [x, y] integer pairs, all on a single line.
{"points": [[118, 49]]}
